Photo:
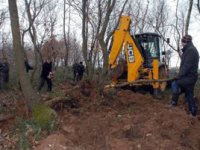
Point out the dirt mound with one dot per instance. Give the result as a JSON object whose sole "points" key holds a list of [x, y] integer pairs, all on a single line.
{"points": [[122, 119], [52, 142]]}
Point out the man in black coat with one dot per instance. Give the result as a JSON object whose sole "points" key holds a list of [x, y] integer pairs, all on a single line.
{"points": [[188, 75], [78, 70], [4, 73], [75, 68], [81, 70], [46, 75]]}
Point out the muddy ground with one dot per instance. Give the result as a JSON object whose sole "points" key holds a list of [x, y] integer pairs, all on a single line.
{"points": [[115, 120]]}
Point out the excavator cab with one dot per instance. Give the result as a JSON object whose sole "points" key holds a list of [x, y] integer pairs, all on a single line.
{"points": [[150, 48]]}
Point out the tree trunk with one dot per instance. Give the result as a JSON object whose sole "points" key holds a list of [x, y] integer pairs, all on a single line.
{"points": [[102, 43], [188, 17], [37, 66], [33, 35], [66, 39], [104, 72], [31, 96], [85, 36]]}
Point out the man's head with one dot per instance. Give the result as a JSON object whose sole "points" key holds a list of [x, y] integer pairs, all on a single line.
{"points": [[186, 39], [81, 62], [48, 59]]}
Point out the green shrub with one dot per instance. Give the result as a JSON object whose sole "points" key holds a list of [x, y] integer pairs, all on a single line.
{"points": [[44, 117]]}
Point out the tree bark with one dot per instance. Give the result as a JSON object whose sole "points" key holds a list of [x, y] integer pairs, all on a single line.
{"points": [[66, 38], [33, 35], [31, 96], [102, 43], [188, 17], [85, 36]]}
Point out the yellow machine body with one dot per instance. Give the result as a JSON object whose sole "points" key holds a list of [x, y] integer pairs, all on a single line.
{"points": [[123, 41]]}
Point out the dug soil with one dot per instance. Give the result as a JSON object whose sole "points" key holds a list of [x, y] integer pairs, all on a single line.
{"points": [[120, 120]]}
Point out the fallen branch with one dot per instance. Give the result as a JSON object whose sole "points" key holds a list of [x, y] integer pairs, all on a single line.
{"points": [[138, 82], [56, 100], [6, 117]]}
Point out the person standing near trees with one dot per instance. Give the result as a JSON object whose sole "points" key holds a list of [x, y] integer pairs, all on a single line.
{"points": [[75, 71], [81, 70], [4, 73], [46, 75], [78, 71], [188, 75], [5, 70]]}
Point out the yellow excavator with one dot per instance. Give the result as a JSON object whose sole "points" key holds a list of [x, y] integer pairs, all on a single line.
{"points": [[137, 60]]}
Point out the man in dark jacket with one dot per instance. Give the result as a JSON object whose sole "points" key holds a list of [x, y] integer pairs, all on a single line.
{"points": [[46, 75], [4, 73], [188, 75], [75, 68], [78, 70], [81, 70]]}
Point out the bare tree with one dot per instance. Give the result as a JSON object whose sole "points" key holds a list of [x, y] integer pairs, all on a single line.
{"points": [[198, 6], [42, 18], [2, 16], [188, 16], [85, 31], [33, 33], [31, 95], [110, 6], [49, 19], [4, 35], [93, 14], [66, 38], [139, 13], [181, 25]]}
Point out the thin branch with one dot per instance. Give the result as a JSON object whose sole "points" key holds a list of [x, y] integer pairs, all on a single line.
{"points": [[111, 33], [188, 17], [198, 6]]}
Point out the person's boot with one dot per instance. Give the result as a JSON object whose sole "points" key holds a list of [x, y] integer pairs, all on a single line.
{"points": [[175, 97], [193, 111], [49, 89]]}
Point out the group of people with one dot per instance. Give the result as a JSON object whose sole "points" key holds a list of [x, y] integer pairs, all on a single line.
{"points": [[47, 74], [184, 82], [78, 70]]}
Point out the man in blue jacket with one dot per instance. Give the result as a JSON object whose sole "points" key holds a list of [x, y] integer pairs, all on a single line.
{"points": [[188, 75]]}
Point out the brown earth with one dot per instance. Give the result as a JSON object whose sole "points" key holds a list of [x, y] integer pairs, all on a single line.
{"points": [[120, 120]]}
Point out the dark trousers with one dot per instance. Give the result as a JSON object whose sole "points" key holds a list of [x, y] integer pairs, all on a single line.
{"points": [[76, 76], [42, 82], [1, 80], [80, 76], [189, 95]]}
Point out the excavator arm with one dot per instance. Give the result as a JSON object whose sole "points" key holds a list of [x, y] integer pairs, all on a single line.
{"points": [[122, 39]]}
